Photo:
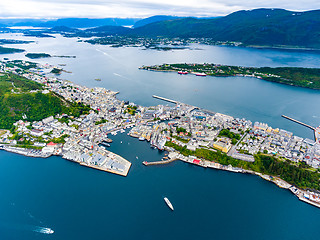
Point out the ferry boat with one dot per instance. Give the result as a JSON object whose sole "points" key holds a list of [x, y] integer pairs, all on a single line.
{"points": [[168, 203], [201, 74]]}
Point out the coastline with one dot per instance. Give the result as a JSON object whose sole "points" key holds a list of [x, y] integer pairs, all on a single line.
{"points": [[281, 47], [299, 193]]}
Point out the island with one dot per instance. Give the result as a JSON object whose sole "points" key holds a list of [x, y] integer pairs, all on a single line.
{"points": [[14, 41], [294, 76], [56, 70], [45, 116], [45, 55], [5, 50], [37, 55]]}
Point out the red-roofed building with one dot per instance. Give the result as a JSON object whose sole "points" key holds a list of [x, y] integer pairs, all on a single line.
{"points": [[196, 161], [52, 144]]}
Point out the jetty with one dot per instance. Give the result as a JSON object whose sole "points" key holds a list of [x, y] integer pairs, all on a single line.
{"points": [[296, 121], [159, 162], [165, 99]]}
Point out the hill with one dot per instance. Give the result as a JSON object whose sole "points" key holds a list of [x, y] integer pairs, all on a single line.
{"points": [[110, 30], [22, 97], [153, 19]]}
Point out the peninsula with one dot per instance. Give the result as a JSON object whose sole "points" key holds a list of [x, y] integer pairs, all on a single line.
{"points": [[294, 76]]}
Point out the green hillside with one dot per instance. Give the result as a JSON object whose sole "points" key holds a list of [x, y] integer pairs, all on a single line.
{"points": [[16, 101]]}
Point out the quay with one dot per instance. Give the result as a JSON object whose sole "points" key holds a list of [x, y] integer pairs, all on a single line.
{"points": [[296, 121], [124, 174]]}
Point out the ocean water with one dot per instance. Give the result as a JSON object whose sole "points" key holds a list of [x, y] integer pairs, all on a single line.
{"points": [[82, 203]]}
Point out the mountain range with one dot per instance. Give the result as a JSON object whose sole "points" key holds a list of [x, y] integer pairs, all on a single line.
{"points": [[272, 27], [259, 27]]}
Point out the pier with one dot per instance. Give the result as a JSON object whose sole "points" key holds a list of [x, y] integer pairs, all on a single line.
{"points": [[296, 121], [165, 99], [159, 162]]}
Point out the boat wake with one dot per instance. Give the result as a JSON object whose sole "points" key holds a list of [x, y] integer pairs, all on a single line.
{"points": [[43, 230], [118, 75]]}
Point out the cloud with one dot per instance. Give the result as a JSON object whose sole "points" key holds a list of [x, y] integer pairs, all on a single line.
{"points": [[141, 8]]}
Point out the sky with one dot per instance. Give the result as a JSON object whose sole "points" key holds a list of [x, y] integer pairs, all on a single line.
{"points": [[141, 8]]}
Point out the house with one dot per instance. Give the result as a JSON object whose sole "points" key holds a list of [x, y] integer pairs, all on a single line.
{"points": [[36, 132]]}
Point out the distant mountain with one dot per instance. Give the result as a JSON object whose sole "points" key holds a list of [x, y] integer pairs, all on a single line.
{"points": [[69, 22], [272, 27], [153, 19], [110, 30], [90, 22], [63, 29]]}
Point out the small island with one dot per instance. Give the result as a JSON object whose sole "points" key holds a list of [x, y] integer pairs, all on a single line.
{"points": [[56, 71], [295, 76], [37, 55]]}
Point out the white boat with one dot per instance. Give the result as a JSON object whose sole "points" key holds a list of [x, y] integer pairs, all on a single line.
{"points": [[168, 203], [46, 231], [141, 139]]}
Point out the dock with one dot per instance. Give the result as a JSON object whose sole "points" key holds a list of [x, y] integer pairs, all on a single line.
{"points": [[159, 162], [296, 121], [211, 113], [165, 99], [124, 174]]}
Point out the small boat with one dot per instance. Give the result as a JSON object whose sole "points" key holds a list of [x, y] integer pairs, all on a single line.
{"points": [[105, 144], [182, 72], [137, 157], [47, 231], [141, 139], [201, 74], [121, 142], [168, 203]]}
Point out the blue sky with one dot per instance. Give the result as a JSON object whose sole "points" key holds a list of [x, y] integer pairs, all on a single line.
{"points": [[141, 8]]}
